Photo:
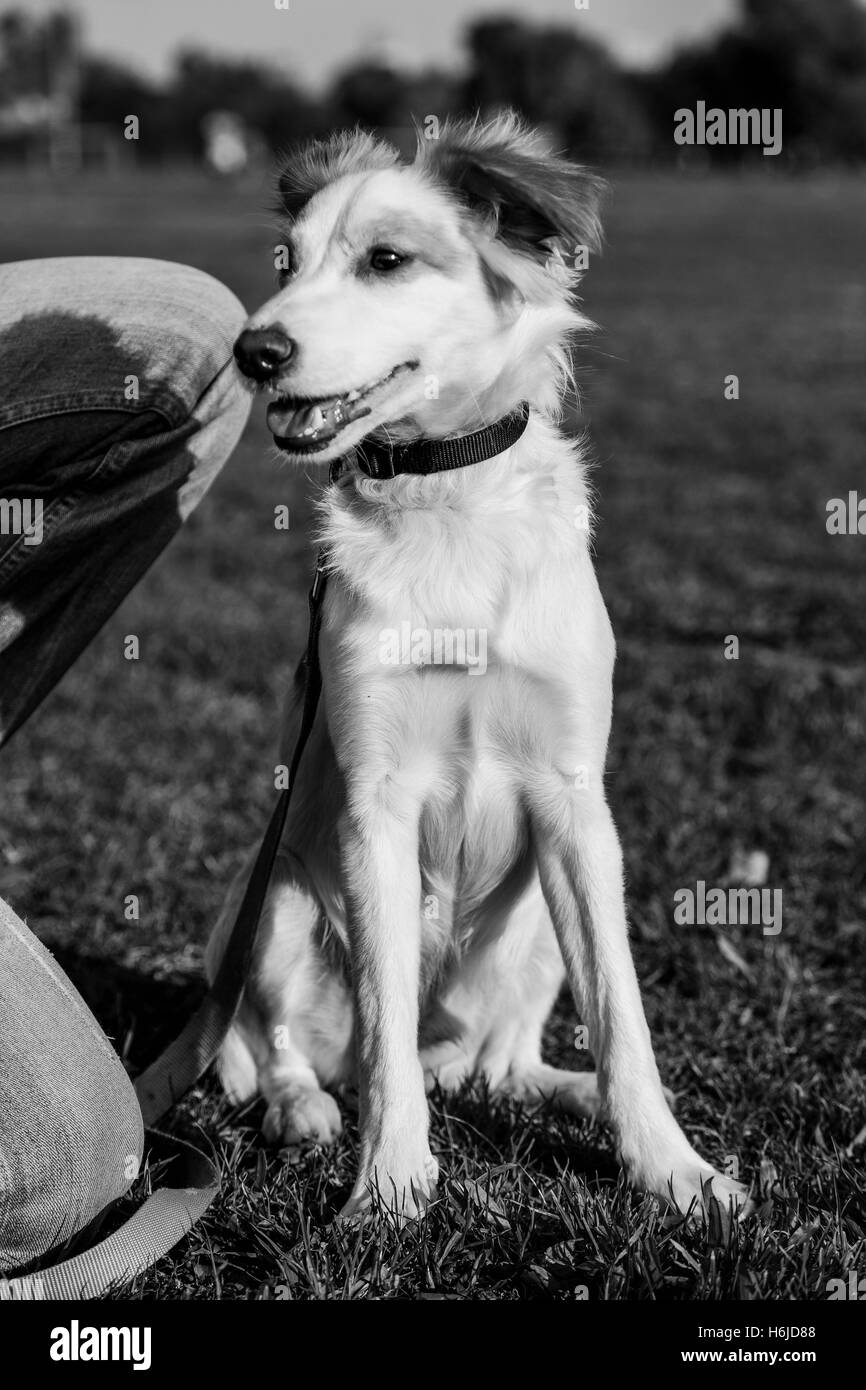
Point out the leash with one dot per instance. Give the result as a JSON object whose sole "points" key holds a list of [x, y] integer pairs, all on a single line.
{"points": [[193, 1050], [169, 1213]]}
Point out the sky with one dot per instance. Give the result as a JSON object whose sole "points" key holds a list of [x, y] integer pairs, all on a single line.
{"points": [[314, 38]]}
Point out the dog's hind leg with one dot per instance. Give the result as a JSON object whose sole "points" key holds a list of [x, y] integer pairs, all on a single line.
{"points": [[511, 1058], [293, 1032], [503, 996]]}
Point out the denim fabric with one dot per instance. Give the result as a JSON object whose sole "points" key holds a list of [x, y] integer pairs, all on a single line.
{"points": [[70, 1126], [119, 403], [115, 475]]}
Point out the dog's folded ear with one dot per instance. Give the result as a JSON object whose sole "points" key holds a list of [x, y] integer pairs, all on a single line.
{"points": [[508, 175]]}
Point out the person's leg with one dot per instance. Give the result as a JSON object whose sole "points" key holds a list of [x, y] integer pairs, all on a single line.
{"points": [[119, 403], [70, 1126]]}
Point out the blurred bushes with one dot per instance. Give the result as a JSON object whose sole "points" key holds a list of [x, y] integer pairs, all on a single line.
{"points": [[806, 56]]}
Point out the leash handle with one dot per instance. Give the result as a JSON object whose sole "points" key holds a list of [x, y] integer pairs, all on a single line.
{"points": [[158, 1224]]}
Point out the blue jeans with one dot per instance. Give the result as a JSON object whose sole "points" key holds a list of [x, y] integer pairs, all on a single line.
{"points": [[119, 403]]}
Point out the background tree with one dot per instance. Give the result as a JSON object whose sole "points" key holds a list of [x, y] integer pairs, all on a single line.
{"points": [[560, 80]]}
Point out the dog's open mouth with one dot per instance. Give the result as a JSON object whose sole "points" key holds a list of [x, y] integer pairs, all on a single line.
{"points": [[303, 425]]}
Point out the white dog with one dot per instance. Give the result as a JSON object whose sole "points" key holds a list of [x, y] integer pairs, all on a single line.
{"points": [[450, 853]]}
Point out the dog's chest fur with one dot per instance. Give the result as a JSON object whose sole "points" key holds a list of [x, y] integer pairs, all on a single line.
{"points": [[493, 558]]}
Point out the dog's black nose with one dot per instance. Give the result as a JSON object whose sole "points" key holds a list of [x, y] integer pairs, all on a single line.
{"points": [[261, 352]]}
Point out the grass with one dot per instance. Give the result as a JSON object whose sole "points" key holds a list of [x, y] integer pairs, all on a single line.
{"points": [[153, 777]]}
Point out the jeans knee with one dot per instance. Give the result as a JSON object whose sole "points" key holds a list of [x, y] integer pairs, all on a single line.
{"points": [[196, 399], [205, 317], [198, 367], [172, 322]]}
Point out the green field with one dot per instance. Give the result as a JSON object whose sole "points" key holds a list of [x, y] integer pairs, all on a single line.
{"points": [[152, 777]]}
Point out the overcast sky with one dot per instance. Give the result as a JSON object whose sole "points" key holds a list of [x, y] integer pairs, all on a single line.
{"points": [[314, 37]]}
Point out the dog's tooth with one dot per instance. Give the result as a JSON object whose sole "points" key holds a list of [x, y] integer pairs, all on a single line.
{"points": [[295, 422], [307, 421], [304, 418]]}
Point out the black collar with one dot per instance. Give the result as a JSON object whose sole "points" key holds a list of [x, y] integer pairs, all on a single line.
{"points": [[380, 460]]}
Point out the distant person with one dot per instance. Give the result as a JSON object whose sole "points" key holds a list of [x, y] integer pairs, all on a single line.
{"points": [[226, 150]]}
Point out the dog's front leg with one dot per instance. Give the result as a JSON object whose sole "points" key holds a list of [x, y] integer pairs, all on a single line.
{"points": [[379, 841], [580, 864]]}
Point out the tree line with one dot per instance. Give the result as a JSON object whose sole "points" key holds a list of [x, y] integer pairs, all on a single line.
{"points": [[805, 58]]}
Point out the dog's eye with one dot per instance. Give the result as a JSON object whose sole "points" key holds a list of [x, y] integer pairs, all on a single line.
{"points": [[382, 258]]}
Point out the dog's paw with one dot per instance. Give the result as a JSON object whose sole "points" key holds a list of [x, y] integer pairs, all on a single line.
{"points": [[403, 1189], [302, 1114], [698, 1191], [448, 1076], [575, 1092]]}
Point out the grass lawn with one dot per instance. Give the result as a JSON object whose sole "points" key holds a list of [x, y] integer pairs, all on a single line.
{"points": [[152, 777]]}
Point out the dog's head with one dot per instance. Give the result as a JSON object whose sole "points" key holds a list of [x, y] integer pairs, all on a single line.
{"points": [[420, 299]]}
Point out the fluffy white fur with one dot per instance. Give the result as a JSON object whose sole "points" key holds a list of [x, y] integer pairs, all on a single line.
{"points": [[450, 854]]}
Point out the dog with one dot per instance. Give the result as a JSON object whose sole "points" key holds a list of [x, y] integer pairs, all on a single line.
{"points": [[450, 856]]}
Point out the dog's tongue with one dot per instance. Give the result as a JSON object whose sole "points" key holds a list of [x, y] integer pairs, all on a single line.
{"points": [[315, 422], [306, 420]]}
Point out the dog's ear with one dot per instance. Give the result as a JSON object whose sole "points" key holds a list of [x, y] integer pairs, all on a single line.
{"points": [[531, 198], [319, 162]]}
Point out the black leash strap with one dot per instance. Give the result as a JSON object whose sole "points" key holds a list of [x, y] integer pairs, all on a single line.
{"points": [[191, 1053]]}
